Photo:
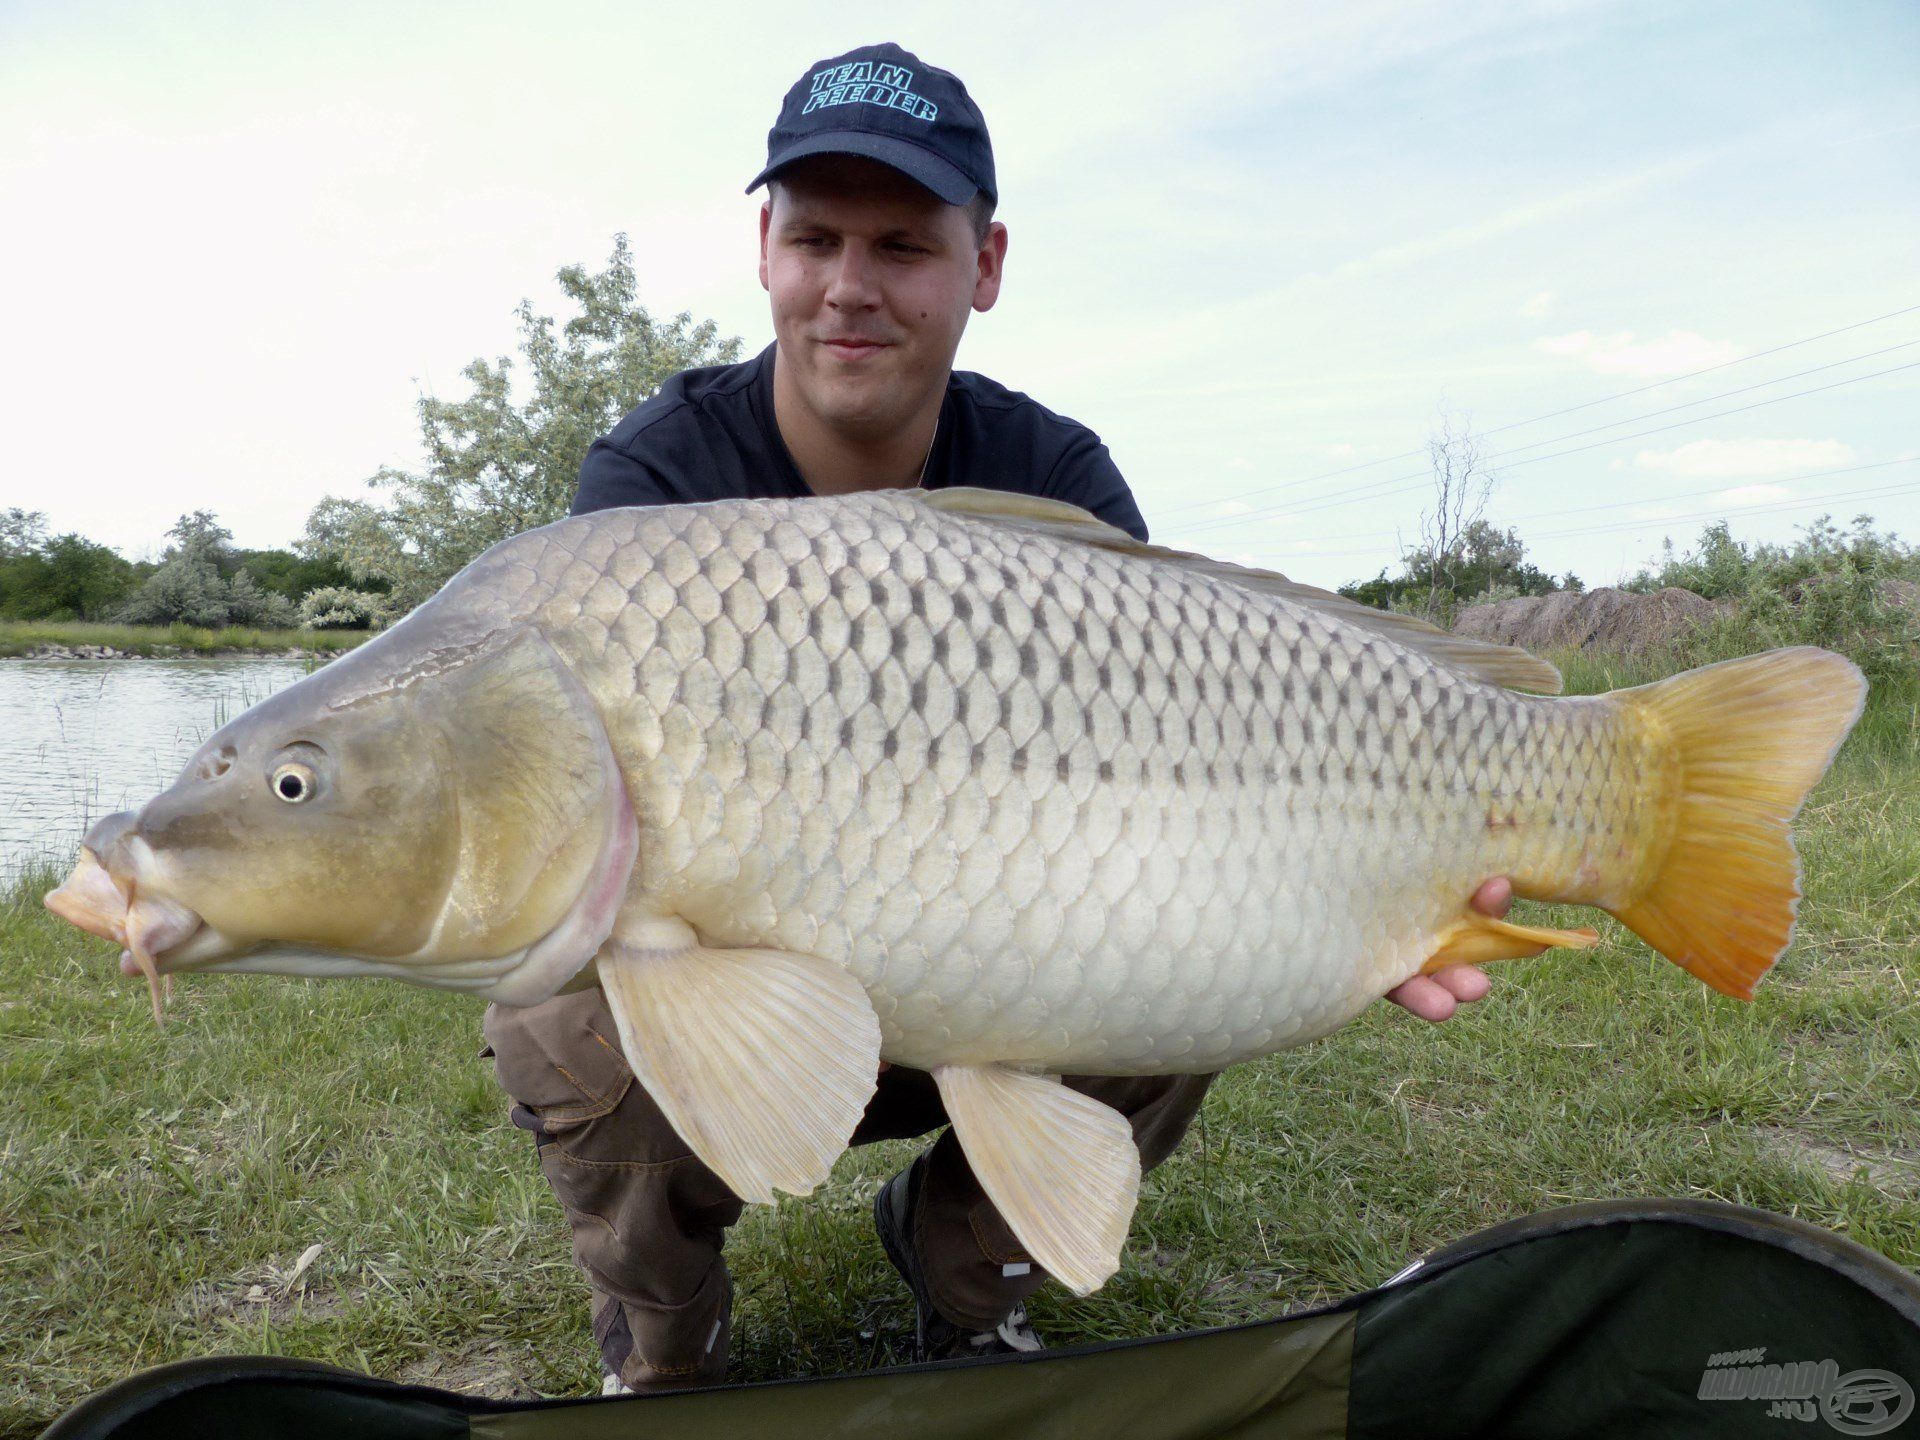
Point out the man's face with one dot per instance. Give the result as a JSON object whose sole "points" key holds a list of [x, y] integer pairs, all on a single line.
{"points": [[872, 278]]}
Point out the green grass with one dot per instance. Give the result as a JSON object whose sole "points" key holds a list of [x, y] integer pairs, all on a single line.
{"points": [[150, 1181], [18, 637]]}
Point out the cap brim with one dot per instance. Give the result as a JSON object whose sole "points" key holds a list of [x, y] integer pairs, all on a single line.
{"points": [[942, 178]]}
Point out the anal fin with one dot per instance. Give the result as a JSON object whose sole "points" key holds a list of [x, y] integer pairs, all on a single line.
{"points": [[1476, 939], [1060, 1166], [763, 1061]]}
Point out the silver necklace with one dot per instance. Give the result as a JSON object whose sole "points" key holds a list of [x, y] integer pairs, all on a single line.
{"points": [[921, 483]]}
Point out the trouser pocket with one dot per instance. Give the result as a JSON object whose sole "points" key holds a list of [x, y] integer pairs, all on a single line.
{"points": [[648, 1217]]}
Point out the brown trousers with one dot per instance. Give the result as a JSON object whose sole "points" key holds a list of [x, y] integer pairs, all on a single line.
{"points": [[649, 1219]]}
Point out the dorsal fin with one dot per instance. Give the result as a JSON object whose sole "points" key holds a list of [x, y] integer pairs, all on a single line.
{"points": [[1504, 665]]}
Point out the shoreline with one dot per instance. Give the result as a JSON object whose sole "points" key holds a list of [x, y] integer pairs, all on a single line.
{"points": [[95, 640], [169, 652]]}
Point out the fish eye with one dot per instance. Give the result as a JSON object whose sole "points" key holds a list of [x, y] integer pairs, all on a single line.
{"points": [[294, 782]]}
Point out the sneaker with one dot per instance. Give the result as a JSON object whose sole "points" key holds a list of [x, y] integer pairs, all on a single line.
{"points": [[935, 1337]]}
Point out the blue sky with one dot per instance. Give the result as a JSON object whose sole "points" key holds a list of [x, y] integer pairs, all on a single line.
{"points": [[1250, 245]]}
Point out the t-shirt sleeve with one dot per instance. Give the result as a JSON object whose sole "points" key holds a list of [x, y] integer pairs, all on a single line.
{"points": [[609, 478], [1085, 475]]}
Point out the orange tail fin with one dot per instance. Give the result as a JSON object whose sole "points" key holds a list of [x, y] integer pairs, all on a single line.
{"points": [[1750, 738]]}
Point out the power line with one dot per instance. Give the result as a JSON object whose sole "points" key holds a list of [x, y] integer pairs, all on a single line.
{"points": [[1682, 495], [1778, 506], [1708, 370], [1374, 490], [1555, 414], [1380, 489], [1616, 527], [1709, 399]]}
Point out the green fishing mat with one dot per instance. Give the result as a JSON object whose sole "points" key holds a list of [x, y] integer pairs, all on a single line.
{"points": [[1625, 1318]]}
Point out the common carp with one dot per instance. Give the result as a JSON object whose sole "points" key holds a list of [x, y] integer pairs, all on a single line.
{"points": [[965, 781]]}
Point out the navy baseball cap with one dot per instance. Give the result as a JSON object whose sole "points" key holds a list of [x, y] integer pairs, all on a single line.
{"points": [[887, 104]]}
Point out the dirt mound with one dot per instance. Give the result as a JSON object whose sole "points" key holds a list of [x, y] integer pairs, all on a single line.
{"points": [[1604, 619]]}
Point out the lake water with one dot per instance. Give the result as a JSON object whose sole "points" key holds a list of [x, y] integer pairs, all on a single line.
{"points": [[83, 738]]}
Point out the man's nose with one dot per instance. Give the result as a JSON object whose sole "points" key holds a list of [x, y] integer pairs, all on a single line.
{"points": [[852, 286]]}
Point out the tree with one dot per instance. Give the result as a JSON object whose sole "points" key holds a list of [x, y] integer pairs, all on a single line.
{"points": [[22, 532], [200, 582], [1462, 484], [66, 578], [1462, 556], [200, 538], [286, 573], [1488, 564], [82, 578], [498, 462]]}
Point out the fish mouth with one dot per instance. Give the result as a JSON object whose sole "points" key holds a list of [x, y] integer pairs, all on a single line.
{"points": [[151, 930]]}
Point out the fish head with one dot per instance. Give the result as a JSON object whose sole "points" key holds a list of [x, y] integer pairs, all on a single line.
{"points": [[459, 823]]}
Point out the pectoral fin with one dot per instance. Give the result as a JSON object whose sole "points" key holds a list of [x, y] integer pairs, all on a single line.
{"points": [[1476, 939], [762, 1061], [1061, 1168]]}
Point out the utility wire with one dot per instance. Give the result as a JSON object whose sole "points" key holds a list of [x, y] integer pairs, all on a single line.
{"points": [[1708, 370], [1551, 415], [1518, 520], [1617, 526], [1778, 506], [1381, 489], [1709, 399], [1375, 489]]}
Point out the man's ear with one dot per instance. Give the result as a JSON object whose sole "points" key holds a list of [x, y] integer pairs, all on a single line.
{"points": [[991, 261], [766, 221]]}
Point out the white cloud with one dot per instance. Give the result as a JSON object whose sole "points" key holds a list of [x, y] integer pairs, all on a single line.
{"points": [[1675, 353], [1231, 507], [1240, 462], [1539, 307], [1727, 459], [1753, 494], [1341, 451]]}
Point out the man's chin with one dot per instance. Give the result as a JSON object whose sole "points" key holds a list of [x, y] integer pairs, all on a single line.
{"points": [[866, 414]]}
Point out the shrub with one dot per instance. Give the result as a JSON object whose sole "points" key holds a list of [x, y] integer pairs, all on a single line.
{"points": [[334, 607], [1839, 589]]}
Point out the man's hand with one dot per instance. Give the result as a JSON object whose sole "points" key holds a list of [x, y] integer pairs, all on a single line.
{"points": [[1436, 996]]}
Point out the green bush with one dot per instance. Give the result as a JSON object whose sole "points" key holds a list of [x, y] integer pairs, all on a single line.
{"points": [[200, 582], [1844, 590], [335, 607]]}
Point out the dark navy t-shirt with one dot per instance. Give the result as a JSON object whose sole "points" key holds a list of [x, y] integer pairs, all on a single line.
{"points": [[710, 435]]}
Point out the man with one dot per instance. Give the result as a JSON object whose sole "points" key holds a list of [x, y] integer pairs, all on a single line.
{"points": [[877, 243]]}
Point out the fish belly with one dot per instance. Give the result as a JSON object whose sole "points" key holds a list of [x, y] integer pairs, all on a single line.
{"points": [[1054, 806]]}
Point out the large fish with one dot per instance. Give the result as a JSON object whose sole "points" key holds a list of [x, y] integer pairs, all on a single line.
{"points": [[966, 781]]}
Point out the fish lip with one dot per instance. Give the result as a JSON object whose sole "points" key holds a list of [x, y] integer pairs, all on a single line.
{"points": [[92, 898], [97, 899]]}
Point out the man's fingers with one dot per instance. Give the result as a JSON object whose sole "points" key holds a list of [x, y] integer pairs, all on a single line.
{"points": [[1436, 996], [1466, 983], [1494, 897], [1424, 996]]}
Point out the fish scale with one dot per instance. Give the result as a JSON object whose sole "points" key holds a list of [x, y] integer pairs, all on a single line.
{"points": [[1051, 805]]}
